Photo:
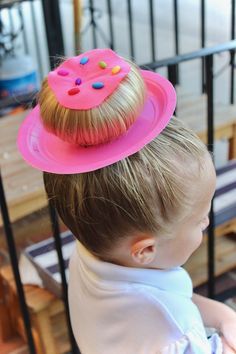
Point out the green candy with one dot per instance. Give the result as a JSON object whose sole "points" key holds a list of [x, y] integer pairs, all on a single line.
{"points": [[102, 64]]}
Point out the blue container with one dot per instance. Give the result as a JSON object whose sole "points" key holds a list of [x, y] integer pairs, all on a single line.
{"points": [[18, 76]]}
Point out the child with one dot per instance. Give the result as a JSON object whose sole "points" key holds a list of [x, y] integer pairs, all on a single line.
{"points": [[135, 187]]}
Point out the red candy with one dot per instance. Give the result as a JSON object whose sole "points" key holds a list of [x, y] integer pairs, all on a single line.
{"points": [[73, 91]]}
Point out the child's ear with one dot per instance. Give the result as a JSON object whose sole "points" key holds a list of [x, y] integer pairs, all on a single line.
{"points": [[143, 251]]}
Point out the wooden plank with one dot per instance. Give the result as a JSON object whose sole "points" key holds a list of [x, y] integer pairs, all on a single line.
{"points": [[6, 327], [45, 331], [56, 307], [63, 345], [59, 325], [26, 206], [225, 131], [49, 332], [232, 144], [23, 184], [13, 346], [226, 228], [37, 298], [192, 110]]}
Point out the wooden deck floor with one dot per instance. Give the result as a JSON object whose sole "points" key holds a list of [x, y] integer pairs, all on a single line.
{"points": [[23, 185]]}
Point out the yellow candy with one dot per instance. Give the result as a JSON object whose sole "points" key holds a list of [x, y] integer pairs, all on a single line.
{"points": [[102, 64], [116, 69]]}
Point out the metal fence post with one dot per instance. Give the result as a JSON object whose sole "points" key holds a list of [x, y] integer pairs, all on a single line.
{"points": [[210, 141], [52, 19], [131, 35], [37, 44], [109, 8], [58, 246], [152, 29], [91, 7], [203, 39], [176, 33], [232, 53], [14, 263], [173, 77]]}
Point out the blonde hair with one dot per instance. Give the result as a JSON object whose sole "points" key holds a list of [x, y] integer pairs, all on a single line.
{"points": [[145, 192]]}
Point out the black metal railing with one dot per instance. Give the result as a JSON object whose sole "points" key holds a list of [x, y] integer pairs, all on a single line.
{"points": [[58, 247], [232, 53], [15, 268], [203, 40]]}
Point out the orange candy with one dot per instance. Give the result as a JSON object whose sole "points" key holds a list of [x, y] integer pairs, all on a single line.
{"points": [[116, 69]]}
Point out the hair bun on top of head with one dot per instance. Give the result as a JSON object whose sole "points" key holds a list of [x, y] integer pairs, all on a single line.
{"points": [[96, 96], [94, 109]]}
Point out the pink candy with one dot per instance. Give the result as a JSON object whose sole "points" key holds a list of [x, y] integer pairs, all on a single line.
{"points": [[63, 72]]}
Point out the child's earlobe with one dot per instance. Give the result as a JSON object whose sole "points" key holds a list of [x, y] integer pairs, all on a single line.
{"points": [[143, 251]]}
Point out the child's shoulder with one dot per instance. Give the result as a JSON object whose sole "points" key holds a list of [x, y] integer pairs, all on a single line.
{"points": [[171, 309], [148, 303]]}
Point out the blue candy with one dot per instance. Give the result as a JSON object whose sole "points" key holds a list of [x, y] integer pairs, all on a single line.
{"points": [[98, 85], [84, 60]]}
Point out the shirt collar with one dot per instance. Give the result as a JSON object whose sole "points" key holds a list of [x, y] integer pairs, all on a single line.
{"points": [[175, 280]]}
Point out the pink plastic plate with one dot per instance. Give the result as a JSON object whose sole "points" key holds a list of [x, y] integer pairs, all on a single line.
{"points": [[46, 152]]}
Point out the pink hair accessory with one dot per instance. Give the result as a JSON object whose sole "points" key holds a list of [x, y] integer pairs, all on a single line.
{"points": [[98, 72], [47, 152]]}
